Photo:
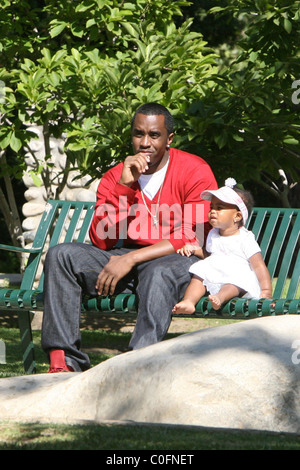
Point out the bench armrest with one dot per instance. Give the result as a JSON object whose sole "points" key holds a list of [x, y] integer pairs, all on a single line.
{"points": [[19, 249]]}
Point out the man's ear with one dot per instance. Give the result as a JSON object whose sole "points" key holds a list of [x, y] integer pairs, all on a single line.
{"points": [[170, 138]]}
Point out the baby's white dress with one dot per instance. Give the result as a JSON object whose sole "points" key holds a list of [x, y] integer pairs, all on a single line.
{"points": [[228, 262]]}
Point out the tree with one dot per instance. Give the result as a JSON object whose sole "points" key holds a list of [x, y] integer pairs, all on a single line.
{"points": [[81, 72], [80, 69], [247, 124]]}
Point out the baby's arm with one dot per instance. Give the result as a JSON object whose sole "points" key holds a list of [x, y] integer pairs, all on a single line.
{"points": [[188, 250], [259, 267]]}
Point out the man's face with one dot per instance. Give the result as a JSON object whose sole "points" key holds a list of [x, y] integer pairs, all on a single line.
{"points": [[150, 137]]}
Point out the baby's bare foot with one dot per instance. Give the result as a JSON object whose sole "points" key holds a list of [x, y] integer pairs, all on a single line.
{"points": [[184, 307], [215, 302]]}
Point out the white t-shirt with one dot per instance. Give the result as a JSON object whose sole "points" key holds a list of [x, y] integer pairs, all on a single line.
{"points": [[150, 184]]}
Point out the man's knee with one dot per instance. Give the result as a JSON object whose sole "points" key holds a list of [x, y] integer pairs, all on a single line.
{"points": [[59, 251]]}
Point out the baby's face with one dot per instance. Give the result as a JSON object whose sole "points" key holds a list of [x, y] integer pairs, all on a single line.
{"points": [[223, 215]]}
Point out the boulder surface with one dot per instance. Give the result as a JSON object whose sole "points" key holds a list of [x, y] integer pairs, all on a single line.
{"points": [[244, 375]]}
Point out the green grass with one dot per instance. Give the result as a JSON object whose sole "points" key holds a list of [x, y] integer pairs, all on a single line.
{"points": [[90, 339], [109, 341], [36, 436], [90, 436]]}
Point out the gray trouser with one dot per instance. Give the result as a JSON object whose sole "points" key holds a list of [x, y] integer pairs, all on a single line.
{"points": [[72, 268]]}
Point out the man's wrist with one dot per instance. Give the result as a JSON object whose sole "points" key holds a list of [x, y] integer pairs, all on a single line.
{"points": [[131, 258], [123, 183]]}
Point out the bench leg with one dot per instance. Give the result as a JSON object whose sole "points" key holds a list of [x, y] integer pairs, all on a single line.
{"points": [[24, 318]]}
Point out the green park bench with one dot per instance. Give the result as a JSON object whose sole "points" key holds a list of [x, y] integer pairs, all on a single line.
{"points": [[276, 230]]}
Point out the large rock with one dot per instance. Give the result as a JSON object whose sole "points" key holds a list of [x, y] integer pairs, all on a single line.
{"points": [[243, 375]]}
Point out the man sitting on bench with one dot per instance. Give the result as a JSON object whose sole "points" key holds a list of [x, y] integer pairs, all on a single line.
{"points": [[151, 202]]}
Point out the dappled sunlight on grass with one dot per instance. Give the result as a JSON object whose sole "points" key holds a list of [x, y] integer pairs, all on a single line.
{"points": [[34, 436]]}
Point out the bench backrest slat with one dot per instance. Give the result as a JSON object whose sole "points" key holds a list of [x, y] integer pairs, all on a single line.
{"points": [[40, 238], [289, 269], [294, 286], [84, 230], [62, 221], [277, 232]]}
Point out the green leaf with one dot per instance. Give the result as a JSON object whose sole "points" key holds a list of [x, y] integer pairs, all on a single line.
{"points": [[38, 77], [91, 22], [142, 48], [15, 143], [77, 30], [4, 142], [129, 6], [101, 3], [287, 25], [216, 9], [111, 76], [291, 141], [253, 56], [58, 28], [54, 79], [47, 56], [132, 29], [35, 178], [76, 54], [76, 146], [221, 139], [51, 105], [82, 7], [238, 137]]}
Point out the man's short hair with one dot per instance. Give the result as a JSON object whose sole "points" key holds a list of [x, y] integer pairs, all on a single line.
{"points": [[156, 109]]}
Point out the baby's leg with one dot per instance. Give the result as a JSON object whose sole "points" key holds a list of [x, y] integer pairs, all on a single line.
{"points": [[193, 294], [227, 292]]}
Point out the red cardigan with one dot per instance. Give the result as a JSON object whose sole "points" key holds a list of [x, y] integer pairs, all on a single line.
{"points": [[183, 217]]}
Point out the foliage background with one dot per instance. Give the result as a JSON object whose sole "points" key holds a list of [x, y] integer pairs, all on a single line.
{"points": [[226, 70]]}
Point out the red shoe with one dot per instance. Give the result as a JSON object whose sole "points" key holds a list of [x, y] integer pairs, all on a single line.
{"points": [[57, 362], [53, 370]]}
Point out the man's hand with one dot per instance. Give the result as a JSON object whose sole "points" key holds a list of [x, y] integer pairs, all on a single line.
{"points": [[120, 265], [113, 271], [134, 167]]}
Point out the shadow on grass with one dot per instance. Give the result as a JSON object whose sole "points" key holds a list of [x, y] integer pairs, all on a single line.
{"points": [[21, 436]]}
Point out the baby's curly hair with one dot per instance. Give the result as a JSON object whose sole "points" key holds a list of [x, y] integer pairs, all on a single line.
{"points": [[247, 198]]}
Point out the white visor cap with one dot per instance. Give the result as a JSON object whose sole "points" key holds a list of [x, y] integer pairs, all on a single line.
{"points": [[228, 195]]}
